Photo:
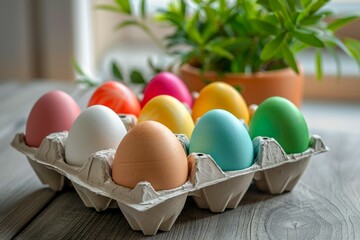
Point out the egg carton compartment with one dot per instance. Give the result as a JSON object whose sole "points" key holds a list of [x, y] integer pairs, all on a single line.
{"points": [[55, 180], [128, 120], [222, 195], [273, 172], [144, 208], [280, 171], [208, 184]]}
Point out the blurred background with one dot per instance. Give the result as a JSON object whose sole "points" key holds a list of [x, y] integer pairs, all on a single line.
{"points": [[38, 38]]}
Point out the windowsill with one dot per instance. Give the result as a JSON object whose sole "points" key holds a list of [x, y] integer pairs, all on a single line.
{"points": [[334, 115], [348, 65]]}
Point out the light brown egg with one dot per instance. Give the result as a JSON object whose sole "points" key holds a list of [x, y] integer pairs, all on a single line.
{"points": [[150, 152]]}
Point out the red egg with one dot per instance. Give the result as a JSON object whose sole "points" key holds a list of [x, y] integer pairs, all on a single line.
{"points": [[116, 96], [54, 112], [166, 83]]}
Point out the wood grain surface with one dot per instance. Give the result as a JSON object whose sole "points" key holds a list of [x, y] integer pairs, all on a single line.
{"points": [[22, 195], [324, 205]]}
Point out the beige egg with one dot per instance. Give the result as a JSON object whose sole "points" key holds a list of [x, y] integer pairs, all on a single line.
{"points": [[150, 152]]}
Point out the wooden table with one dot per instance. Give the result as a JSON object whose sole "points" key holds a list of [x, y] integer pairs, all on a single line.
{"points": [[324, 205]]}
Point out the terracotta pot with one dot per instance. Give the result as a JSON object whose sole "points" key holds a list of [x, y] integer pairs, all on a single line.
{"points": [[256, 87]]}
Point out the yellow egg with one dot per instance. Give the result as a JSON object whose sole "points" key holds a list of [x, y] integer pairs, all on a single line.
{"points": [[220, 95], [170, 112]]}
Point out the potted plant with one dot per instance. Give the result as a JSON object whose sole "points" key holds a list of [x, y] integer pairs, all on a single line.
{"points": [[251, 44]]}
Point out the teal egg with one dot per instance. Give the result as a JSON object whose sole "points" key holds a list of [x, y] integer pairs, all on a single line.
{"points": [[225, 138], [280, 119]]}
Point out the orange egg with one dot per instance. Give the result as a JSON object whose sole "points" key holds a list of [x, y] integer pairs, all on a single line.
{"points": [[150, 152], [116, 96]]}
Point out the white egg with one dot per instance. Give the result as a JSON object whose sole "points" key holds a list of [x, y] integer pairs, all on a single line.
{"points": [[97, 128]]}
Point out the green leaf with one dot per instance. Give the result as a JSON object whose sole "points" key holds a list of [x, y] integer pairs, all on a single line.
{"points": [[312, 20], [143, 9], [170, 17], [336, 59], [264, 26], [279, 7], [292, 4], [318, 64], [318, 4], [354, 48], [187, 56], [272, 48], [339, 23], [191, 29], [108, 8], [290, 58], [298, 47], [334, 40], [183, 7], [220, 51], [315, 19], [117, 72], [294, 18], [222, 5], [305, 3], [238, 65], [230, 42], [239, 88], [276, 5], [307, 38], [196, 37], [264, 3], [311, 8], [124, 5], [77, 67], [137, 77], [153, 67], [87, 82], [128, 23], [209, 31]]}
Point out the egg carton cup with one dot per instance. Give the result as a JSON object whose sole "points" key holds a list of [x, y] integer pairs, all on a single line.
{"points": [[57, 181], [273, 172], [148, 210], [128, 120]]}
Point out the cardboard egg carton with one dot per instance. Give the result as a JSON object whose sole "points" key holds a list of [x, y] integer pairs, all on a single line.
{"points": [[148, 210]]}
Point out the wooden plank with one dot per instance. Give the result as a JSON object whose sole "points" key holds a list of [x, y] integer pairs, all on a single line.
{"points": [[324, 205], [22, 195]]}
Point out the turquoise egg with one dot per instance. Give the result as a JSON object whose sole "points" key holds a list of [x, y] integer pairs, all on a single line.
{"points": [[225, 138], [280, 119]]}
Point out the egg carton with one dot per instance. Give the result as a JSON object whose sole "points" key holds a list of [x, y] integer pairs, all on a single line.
{"points": [[148, 210], [57, 181]]}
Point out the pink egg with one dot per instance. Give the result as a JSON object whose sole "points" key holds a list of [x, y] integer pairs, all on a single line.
{"points": [[166, 83], [54, 112]]}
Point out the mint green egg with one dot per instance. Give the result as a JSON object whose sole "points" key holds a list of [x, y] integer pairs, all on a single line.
{"points": [[225, 138], [280, 119]]}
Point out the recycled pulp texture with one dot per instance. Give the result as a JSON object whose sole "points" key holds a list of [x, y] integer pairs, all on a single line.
{"points": [[210, 187]]}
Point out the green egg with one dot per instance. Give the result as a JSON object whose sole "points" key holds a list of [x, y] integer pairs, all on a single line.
{"points": [[280, 119]]}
